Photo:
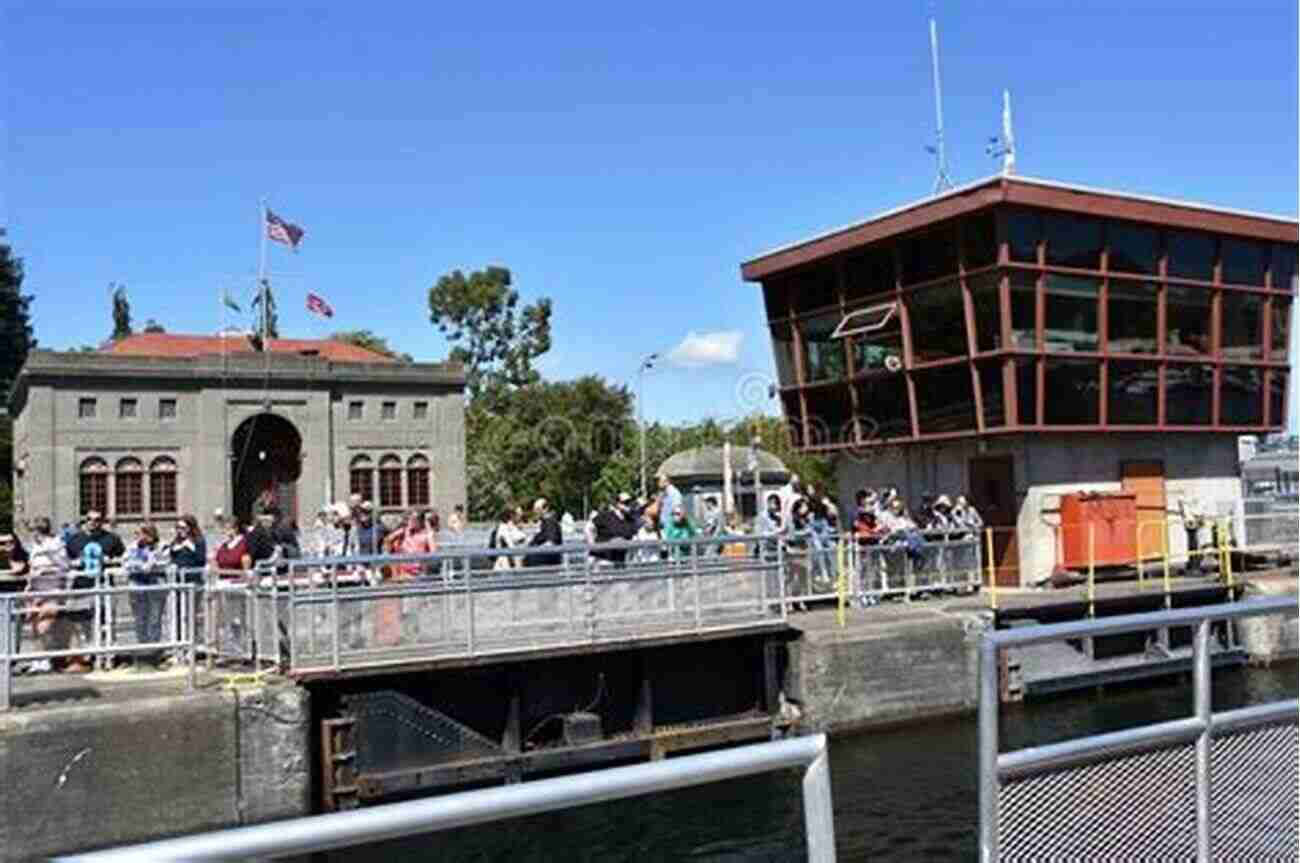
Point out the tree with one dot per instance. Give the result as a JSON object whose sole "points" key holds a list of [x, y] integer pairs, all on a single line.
{"points": [[495, 338], [549, 440], [16, 338], [121, 312], [272, 320], [152, 326], [371, 342]]}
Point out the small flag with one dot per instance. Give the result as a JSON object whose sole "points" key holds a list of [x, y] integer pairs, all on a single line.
{"points": [[229, 302], [283, 232], [317, 306]]}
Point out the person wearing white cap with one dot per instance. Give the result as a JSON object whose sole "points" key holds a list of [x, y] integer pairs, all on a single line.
{"points": [[615, 524]]}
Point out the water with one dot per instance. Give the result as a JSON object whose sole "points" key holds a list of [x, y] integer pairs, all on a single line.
{"points": [[907, 794]]}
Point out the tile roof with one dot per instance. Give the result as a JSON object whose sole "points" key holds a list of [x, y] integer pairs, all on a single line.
{"points": [[178, 345]]}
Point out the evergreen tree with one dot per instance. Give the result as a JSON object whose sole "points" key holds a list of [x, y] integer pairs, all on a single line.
{"points": [[16, 338], [272, 321], [121, 312]]}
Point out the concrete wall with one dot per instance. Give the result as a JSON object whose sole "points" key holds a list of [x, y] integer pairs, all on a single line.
{"points": [[921, 663], [94, 773], [1275, 637], [440, 437], [1047, 466]]}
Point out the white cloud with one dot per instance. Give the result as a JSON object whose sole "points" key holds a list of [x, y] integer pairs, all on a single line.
{"points": [[708, 349]]}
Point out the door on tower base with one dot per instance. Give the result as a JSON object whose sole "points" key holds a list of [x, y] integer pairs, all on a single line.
{"points": [[993, 492]]}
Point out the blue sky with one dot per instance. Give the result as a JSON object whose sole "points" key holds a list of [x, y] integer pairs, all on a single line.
{"points": [[622, 160]]}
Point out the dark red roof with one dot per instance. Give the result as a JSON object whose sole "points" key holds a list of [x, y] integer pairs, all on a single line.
{"points": [[176, 345]]}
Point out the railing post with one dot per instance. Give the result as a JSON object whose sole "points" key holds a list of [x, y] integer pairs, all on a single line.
{"points": [[191, 596], [1225, 554], [780, 577], [841, 582], [469, 608], [6, 649], [1201, 672], [993, 576], [988, 750], [336, 648], [1092, 569], [1164, 559], [695, 577]]}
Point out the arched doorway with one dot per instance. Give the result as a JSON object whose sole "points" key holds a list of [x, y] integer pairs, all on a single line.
{"points": [[265, 462]]}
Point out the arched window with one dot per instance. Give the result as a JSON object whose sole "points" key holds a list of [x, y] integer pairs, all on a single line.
{"points": [[93, 486], [361, 479], [390, 481], [162, 486], [128, 488], [417, 481]]}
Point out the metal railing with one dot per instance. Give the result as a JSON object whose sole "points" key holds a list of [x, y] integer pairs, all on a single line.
{"points": [[95, 615], [1209, 786], [854, 572], [334, 614], [416, 817]]}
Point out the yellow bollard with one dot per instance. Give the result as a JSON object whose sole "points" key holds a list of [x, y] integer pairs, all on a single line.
{"points": [[1142, 573], [841, 584], [1092, 569], [1164, 558], [993, 580], [1225, 554]]}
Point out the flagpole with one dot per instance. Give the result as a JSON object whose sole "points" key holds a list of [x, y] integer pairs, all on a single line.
{"points": [[261, 274]]}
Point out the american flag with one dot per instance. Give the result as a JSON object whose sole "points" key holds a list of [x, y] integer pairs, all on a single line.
{"points": [[283, 232], [317, 306]]}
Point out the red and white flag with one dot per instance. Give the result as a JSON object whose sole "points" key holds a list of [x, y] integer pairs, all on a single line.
{"points": [[283, 232], [317, 306]]}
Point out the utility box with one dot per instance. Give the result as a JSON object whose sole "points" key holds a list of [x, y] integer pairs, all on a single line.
{"points": [[1098, 527]]}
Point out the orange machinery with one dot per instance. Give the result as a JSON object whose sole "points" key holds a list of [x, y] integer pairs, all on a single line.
{"points": [[1113, 517]]}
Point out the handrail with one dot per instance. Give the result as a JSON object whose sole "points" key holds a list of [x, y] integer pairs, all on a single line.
{"points": [[1200, 727], [396, 820]]}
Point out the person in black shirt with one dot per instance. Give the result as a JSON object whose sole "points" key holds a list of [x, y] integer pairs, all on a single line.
{"points": [[548, 533], [90, 548], [261, 540], [615, 524]]}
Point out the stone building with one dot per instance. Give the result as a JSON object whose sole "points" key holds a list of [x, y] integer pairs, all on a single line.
{"points": [[1018, 340], [159, 424]]}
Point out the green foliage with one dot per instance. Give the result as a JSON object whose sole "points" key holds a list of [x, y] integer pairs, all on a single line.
{"points": [[121, 312], [6, 507], [152, 326], [370, 341], [272, 319], [6, 473], [549, 440], [495, 338], [16, 339]]}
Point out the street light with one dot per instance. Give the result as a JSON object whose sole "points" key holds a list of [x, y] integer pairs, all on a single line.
{"points": [[646, 364]]}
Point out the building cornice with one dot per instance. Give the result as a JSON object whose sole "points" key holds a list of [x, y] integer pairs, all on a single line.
{"points": [[230, 370]]}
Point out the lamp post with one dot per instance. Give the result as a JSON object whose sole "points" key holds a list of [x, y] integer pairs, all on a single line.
{"points": [[646, 364]]}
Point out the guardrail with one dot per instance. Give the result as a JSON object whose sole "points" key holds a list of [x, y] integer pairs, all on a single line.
{"points": [[336, 614], [853, 571], [166, 611], [1209, 786], [428, 815]]}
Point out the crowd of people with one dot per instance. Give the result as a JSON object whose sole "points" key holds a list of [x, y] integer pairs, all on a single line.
{"points": [[72, 558]]}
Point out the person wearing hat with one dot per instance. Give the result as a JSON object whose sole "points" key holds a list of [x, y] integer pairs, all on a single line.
{"points": [[940, 517], [615, 524], [548, 533]]}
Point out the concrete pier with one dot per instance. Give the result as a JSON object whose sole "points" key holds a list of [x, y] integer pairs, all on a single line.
{"points": [[889, 664], [91, 763]]}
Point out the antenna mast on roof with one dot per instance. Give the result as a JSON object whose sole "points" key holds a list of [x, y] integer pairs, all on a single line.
{"points": [[1004, 146], [941, 180]]}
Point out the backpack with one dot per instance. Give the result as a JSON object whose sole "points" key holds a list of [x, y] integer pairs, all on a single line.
{"points": [[492, 537]]}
